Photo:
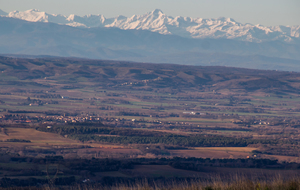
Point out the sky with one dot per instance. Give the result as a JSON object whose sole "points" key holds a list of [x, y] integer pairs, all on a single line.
{"points": [[265, 12]]}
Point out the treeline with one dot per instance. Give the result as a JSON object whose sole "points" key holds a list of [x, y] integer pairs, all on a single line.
{"points": [[98, 165], [75, 165], [56, 96], [13, 182], [124, 113], [200, 164], [18, 140], [284, 150], [94, 128], [83, 133], [186, 141], [192, 163], [89, 167]]}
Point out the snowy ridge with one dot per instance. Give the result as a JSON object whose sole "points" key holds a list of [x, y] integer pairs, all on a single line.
{"points": [[34, 15], [157, 21]]}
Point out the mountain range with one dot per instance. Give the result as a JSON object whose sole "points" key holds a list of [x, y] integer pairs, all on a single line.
{"points": [[157, 21], [152, 37]]}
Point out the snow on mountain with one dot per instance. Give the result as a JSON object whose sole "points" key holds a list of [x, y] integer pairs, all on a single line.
{"points": [[157, 21], [89, 21], [34, 15], [293, 31]]}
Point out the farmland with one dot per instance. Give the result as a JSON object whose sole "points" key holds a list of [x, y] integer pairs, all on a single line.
{"points": [[93, 109]]}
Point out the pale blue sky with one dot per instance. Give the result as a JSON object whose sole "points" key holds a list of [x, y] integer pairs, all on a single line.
{"points": [[266, 12]]}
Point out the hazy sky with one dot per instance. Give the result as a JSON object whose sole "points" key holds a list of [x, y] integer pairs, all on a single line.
{"points": [[266, 12]]}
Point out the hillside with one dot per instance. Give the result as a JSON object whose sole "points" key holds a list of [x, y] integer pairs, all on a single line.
{"points": [[187, 120], [116, 74]]}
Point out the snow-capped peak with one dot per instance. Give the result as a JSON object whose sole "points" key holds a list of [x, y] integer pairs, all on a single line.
{"points": [[157, 12], [230, 20], [121, 17], [32, 15], [33, 10]]}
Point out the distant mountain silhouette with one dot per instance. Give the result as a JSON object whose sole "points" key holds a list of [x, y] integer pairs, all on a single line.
{"points": [[39, 38]]}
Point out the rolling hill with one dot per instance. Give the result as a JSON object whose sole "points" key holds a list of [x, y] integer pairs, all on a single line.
{"points": [[74, 73]]}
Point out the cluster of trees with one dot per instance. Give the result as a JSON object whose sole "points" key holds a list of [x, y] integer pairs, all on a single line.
{"points": [[192, 163], [18, 140], [186, 141], [83, 132], [82, 128], [57, 96], [72, 167], [9, 183], [199, 164], [124, 113], [285, 150], [75, 165], [98, 165]]}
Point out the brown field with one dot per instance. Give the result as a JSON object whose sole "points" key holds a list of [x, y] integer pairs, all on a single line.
{"points": [[215, 152], [52, 141], [36, 137], [231, 149], [43, 139], [169, 101], [283, 158]]}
